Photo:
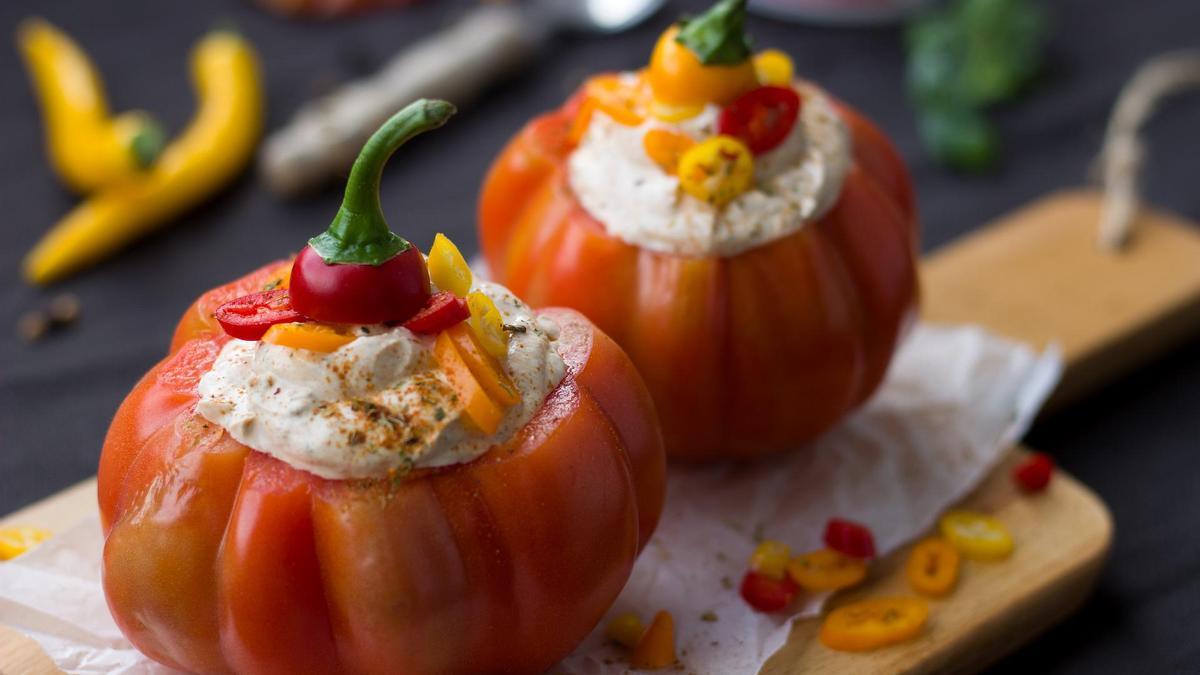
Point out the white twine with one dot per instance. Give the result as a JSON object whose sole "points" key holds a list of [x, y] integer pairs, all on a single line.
{"points": [[1123, 152]]}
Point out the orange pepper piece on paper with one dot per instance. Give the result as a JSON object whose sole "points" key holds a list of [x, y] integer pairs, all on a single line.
{"points": [[656, 649]]}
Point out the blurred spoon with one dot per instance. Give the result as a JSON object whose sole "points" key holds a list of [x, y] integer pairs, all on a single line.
{"points": [[325, 135]]}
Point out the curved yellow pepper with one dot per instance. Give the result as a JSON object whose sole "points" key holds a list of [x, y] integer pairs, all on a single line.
{"points": [[447, 268], [487, 325], [213, 149], [677, 77], [87, 147]]}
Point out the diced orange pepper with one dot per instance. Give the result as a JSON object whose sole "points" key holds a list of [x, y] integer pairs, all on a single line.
{"points": [[656, 649], [870, 624], [480, 410], [488, 325], [665, 148], [17, 540], [826, 570], [774, 68], [315, 337], [448, 270], [770, 559], [486, 369], [625, 630], [932, 567]]}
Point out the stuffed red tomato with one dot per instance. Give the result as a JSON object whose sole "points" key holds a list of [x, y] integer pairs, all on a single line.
{"points": [[323, 478], [747, 238]]}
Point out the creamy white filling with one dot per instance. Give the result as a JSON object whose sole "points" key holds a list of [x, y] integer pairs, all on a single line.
{"points": [[637, 201], [376, 405]]}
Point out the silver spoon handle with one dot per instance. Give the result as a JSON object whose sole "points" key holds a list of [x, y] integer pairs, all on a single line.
{"points": [[323, 138]]}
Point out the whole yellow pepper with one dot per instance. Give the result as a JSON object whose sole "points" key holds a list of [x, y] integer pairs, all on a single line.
{"points": [[213, 149], [88, 148], [706, 60]]}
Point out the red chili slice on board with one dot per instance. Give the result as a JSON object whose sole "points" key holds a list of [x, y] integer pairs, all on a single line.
{"points": [[249, 317], [1033, 474], [766, 594], [761, 117], [443, 310], [849, 538]]}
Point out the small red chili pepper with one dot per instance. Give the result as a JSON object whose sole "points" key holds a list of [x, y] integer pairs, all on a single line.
{"points": [[849, 538], [766, 594], [443, 310], [761, 117], [249, 317], [1033, 474]]}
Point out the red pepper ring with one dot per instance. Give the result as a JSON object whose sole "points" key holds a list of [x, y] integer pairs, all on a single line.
{"points": [[443, 311], [761, 117], [249, 317], [849, 538]]}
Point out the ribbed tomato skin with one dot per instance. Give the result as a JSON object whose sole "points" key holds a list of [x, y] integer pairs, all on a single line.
{"points": [[219, 558], [744, 355]]}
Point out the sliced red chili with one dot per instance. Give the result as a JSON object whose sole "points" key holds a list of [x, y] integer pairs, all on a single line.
{"points": [[443, 310], [1033, 474], [761, 117], [849, 538], [249, 317], [766, 594]]}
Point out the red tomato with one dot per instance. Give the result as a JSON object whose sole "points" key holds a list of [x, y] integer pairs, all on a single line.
{"points": [[361, 294], [766, 594], [727, 345], [761, 117], [849, 538], [444, 310], [1033, 474], [249, 317], [221, 559]]}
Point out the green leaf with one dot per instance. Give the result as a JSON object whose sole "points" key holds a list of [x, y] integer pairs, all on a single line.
{"points": [[718, 36], [960, 137]]}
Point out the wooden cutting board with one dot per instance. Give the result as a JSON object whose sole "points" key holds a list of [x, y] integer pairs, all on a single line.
{"points": [[1034, 275]]}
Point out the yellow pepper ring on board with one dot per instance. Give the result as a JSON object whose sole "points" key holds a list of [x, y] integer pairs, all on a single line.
{"points": [[976, 535]]}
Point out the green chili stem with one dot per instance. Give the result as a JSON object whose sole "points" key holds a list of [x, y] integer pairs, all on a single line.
{"points": [[359, 233], [718, 36]]}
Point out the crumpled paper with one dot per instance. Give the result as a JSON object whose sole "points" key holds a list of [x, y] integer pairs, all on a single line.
{"points": [[955, 400]]}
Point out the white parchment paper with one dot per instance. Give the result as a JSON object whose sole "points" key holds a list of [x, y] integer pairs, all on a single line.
{"points": [[955, 399]]}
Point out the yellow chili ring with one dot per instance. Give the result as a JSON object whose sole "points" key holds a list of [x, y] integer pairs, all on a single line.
{"points": [[717, 170], [977, 536], [870, 624]]}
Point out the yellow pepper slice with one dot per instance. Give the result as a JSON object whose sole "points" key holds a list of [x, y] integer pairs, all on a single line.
{"points": [[480, 411], [315, 337], [932, 567], [870, 624], [486, 369], [770, 558], [977, 536], [487, 325], [774, 67], [17, 540], [717, 170], [625, 629], [215, 147], [656, 649], [665, 148], [87, 147], [447, 268], [673, 113], [826, 570]]}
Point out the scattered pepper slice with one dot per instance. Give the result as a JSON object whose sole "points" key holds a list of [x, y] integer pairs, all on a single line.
{"points": [[443, 310], [656, 649], [315, 337], [625, 629], [870, 624], [770, 558], [488, 325], [479, 409], [448, 270], [766, 594], [17, 540], [717, 170], [774, 68], [932, 567], [849, 538], [977, 536], [1033, 474], [486, 369], [665, 148], [826, 570]]}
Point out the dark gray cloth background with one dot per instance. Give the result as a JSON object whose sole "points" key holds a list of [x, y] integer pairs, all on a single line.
{"points": [[1136, 443]]}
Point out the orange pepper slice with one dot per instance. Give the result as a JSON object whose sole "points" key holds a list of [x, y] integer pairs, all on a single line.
{"points": [[826, 570], [665, 148], [932, 567], [479, 409], [624, 101], [871, 624], [315, 337], [486, 369], [656, 649], [17, 540]]}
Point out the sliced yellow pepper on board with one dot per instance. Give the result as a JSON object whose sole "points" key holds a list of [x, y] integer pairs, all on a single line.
{"points": [[17, 540], [87, 147], [665, 148], [214, 148], [486, 369], [717, 170], [774, 68], [480, 411], [870, 624], [447, 268], [315, 337], [488, 325], [975, 535]]}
